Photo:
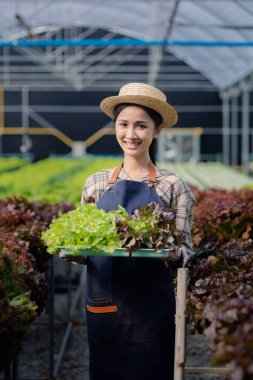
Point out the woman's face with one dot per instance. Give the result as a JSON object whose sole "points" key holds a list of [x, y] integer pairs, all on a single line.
{"points": [[135, 131]]}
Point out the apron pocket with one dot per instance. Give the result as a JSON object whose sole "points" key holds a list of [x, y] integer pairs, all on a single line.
{"points": [[154, 312], [101, 320]]}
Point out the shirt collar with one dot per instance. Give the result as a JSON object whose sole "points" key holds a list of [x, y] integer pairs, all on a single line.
{"points": [[123, 174]]}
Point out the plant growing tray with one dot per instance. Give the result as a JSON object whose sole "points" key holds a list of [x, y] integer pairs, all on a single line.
{"points": [[118, 252]]}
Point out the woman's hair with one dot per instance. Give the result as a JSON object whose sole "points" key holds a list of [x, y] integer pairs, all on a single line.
{"points": [[155, 116]]}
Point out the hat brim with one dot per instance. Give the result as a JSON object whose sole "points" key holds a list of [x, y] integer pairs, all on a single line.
{"points": [[167, 112]]}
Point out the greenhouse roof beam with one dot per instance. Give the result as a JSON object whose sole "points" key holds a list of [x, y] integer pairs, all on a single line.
{"points": [[221, 21], [176, 69], [109, 76], [53, 53], [118, 61], [54, 85]]}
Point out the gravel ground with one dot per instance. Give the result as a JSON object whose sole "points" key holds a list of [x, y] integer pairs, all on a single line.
{"points": [[34, 360]]}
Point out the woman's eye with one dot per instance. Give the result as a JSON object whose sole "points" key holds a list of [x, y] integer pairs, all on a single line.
{"points": [[141, 126]]}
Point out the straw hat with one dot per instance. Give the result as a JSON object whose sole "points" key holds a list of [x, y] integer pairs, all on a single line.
{"points": [[144, 95]]}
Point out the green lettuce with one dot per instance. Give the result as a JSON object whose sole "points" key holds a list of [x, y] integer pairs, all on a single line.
{"points": [[86, 227]]}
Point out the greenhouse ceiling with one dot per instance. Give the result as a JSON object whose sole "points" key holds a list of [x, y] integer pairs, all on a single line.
{"points": [[213, 37]]}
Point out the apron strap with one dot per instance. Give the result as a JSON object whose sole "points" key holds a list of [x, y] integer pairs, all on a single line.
{"points": [[151, 174], [115, 174]]}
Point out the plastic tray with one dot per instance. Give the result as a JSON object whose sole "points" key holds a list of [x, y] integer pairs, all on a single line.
{"points": [[119, 252]]}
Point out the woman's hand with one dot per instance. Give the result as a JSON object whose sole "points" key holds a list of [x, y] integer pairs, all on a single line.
{"points": [[174, 260], [72, 259]]}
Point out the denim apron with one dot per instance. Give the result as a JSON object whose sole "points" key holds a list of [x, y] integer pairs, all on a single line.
{"points": [[130, 302]]}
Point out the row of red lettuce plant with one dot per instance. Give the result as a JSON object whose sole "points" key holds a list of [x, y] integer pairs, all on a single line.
{"points": [[220, 294], [23, 261]]}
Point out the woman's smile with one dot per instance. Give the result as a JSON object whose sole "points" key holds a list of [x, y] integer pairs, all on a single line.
{"points": [[132, 144]]}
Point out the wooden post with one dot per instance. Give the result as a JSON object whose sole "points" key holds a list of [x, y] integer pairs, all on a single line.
{"points": [[179, 363], [180, 338]]}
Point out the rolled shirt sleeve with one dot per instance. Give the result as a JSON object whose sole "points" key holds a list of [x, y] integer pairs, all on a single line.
{"points": [[182, 203]]}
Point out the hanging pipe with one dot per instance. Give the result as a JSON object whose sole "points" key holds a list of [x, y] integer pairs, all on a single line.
{"points": [[121, 42]]}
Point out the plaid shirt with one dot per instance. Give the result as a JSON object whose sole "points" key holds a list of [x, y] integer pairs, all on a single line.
{"points": [[173, 191]]}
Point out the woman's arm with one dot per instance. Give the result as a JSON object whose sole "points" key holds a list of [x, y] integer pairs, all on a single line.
{"points": [[183, 203]]}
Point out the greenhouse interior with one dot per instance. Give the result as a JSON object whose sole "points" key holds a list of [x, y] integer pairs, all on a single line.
{"points": [[58, 60]]}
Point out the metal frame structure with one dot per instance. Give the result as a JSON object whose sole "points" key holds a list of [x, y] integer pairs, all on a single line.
{"points": [[180, 145], [90, 68], [95, 46], [95, 67], [96, 55], [230, 112]]}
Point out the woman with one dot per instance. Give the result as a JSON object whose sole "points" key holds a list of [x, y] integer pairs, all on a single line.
{"points": [[130, 301]]}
